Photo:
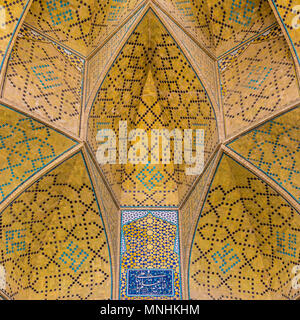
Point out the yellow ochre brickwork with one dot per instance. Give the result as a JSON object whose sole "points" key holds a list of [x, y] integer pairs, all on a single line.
{"points": [[257, 80], [42, 78], [152, 86], [274, 148], [247, 240], [11, 12], [52, 240]]}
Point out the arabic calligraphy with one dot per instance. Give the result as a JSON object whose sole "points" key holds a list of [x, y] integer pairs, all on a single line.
{"points": [[150, 282]]}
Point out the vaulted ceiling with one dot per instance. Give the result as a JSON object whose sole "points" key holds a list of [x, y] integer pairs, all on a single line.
{"points": [[70, 68], [152, 85]]}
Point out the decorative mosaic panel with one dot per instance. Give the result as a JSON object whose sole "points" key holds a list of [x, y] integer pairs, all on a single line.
{"points": [[44, 79], [101, 59], [257, 80], [72, 260], [274, 148], [150, 265], [150, 282], [289, 13], [148, 84], [246, 242], [26, 146], [11, 12]]}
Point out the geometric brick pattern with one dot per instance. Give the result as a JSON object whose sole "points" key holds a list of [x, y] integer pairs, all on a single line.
{"points": [[115, 11], [150, 98], [189, 213], [10, 14], [101, 58], [26, 146], [52, 239], [247, 240], [289, 14], [109, 209], [193, 16], [79, 25], [233, 22], [205, 65], [221, 25], [50, 83], [274, 148], [66, 21], [257, 80], [149, 184]]}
